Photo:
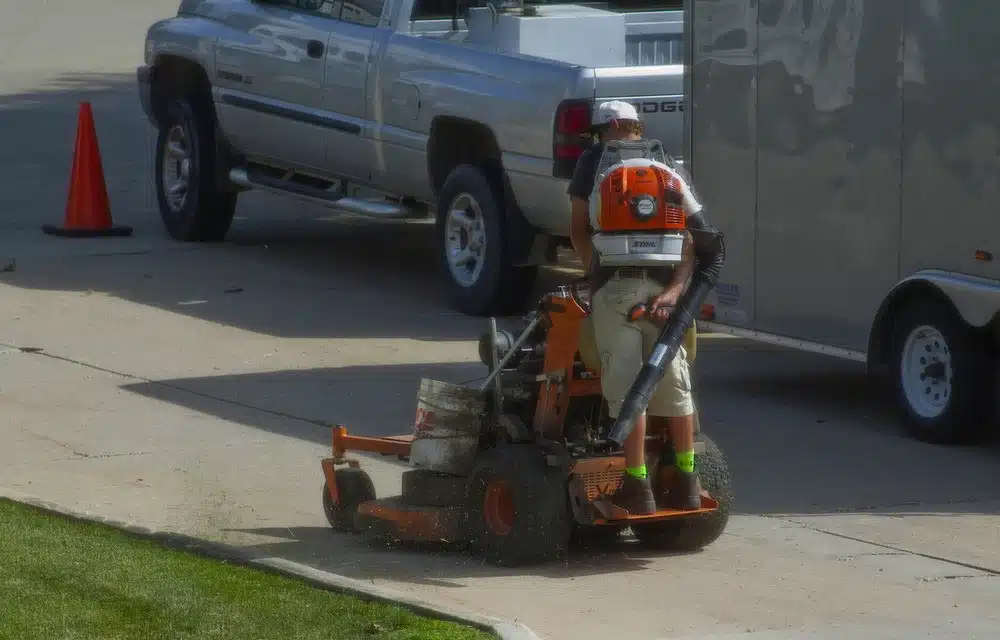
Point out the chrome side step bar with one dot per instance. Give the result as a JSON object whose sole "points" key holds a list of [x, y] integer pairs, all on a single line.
{"points": [[332, 199]]}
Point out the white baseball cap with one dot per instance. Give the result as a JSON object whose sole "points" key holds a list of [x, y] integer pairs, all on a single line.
{"points": [[614, 110]]}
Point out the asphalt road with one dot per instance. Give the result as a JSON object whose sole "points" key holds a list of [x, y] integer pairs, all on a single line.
{"points": [[183, 386]]}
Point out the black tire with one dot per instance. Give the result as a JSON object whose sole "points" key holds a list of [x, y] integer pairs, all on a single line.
{"points": [[966, 410], [596, 536], [540, 524], [690, 533], [207, 210], [500, 288], [432, 489], [354, 487]]}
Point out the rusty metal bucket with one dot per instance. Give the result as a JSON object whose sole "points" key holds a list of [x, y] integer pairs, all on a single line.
{"points": [[447, 427]]}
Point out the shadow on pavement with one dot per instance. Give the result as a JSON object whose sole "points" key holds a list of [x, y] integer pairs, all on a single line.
{"points": [[369, 400], [798, 441], [435, 565], [351, 277]]}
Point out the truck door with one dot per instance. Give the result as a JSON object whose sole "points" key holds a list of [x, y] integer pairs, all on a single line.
{"points": [[350, 149], [270, 64]]}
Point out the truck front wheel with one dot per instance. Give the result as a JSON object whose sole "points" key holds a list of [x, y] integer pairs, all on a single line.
{"points": [[943, 372], [472, 245], [192, 205]]}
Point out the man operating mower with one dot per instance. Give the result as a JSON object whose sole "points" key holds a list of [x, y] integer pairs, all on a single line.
{"points": [[623, 343]]}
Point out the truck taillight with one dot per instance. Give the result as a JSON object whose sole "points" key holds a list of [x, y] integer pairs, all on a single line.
{"points": [[572, 128]]}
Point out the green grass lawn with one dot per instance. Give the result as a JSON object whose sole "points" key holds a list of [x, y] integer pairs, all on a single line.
{"points": [[61, 579]]}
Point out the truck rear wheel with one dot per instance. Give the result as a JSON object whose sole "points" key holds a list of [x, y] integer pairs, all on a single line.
{"points": [[192, 205], [472, 245], [943, 372]]}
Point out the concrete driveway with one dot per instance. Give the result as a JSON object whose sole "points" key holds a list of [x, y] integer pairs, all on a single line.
{"points": [[186, 388]]}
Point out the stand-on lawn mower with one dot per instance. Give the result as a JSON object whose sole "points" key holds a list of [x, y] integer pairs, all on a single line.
{"points": [[523, 464]]}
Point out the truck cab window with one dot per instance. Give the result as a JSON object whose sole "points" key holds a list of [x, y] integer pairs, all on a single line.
{"points": [[327, 8], [364, 12], [624, 6], [302, 5], [437, 9]]}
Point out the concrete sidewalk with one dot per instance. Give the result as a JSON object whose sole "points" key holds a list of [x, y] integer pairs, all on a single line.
{"points": [[150, 412]]}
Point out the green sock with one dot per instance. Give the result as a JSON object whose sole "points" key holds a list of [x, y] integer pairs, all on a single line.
{"points": [[636, 472], [685, 461]]}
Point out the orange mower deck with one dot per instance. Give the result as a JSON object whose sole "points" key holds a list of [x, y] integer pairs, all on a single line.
{"points": [[590, 480]]}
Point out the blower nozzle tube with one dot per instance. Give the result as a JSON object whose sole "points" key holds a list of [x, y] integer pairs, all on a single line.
{"points": [[663, 353], [710, 255]]}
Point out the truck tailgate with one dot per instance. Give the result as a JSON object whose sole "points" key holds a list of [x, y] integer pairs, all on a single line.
{"points": [[658, 94]]}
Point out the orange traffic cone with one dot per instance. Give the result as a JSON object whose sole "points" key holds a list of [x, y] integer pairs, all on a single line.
{"points": [[88, 213]]}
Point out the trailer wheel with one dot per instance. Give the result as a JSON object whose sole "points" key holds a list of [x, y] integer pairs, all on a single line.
{"points": [[354, 487], [518, 508], [698, 531], [472, 245], [193, 206], [942, 372]]}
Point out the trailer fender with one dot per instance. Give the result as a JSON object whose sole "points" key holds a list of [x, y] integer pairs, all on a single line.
{"points": [[976, 300]]}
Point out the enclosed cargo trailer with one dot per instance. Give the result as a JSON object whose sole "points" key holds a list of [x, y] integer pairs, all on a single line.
{"points": [[850, 152]]}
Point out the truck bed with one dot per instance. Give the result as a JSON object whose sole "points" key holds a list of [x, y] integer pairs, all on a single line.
{"points": [[652, 77], [653, 37]]}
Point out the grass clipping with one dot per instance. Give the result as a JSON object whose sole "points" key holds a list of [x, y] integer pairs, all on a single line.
{"points": [[63, 579]]}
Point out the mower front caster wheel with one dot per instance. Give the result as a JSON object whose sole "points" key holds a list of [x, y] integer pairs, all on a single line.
{"points": [[517, 507], [354, 487]]}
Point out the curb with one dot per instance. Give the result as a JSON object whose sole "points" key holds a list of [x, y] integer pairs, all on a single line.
{"points": [[502, 629]]}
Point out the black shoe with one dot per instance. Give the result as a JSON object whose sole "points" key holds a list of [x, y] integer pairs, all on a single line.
{"points": [[685, 491], [635, 495]]}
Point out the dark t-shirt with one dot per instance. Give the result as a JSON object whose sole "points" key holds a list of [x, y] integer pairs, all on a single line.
{"points": [[582, 182]]}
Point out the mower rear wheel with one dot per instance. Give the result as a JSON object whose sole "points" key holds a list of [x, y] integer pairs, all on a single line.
{"points": [[695, 532], [354, 487], [517, 506]]}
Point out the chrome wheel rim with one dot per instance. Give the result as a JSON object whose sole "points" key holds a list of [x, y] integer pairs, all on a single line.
{"points": [[927, 374], [176, 168], [465, 239]]}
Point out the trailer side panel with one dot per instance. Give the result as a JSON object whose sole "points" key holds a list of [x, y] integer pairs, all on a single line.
{"points": [[951, 176], [722, 89], [829, 126]]}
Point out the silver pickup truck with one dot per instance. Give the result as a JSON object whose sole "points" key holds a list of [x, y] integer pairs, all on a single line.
{"points": [[468, 111]]}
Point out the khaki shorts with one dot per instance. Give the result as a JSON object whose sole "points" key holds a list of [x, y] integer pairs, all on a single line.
{"points": [[623, 346]]}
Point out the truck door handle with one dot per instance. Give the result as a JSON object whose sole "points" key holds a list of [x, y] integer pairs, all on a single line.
{"points": [[314, 48]]}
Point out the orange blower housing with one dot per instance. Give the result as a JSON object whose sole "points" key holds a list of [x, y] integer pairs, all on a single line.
{"points": [[637, 208]]}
